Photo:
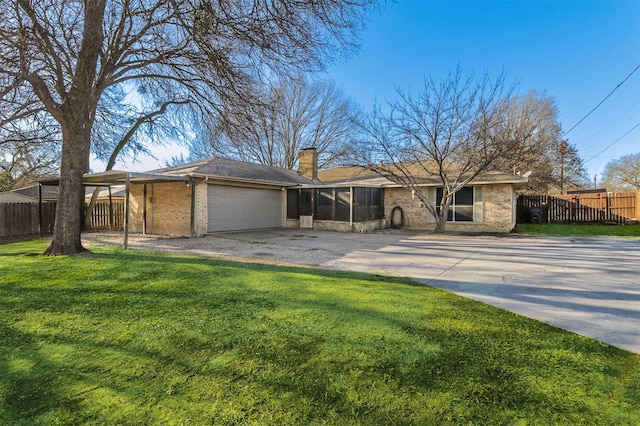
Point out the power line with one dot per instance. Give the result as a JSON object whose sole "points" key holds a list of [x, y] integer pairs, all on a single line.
{"points": [[614, 142], [602, 101]]}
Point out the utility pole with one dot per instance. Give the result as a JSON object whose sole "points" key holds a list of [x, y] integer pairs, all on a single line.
{"points": [[563, 153], [595, 181]]}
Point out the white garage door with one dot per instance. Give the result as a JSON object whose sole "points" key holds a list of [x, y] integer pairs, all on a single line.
{"points": [[233, 208]]}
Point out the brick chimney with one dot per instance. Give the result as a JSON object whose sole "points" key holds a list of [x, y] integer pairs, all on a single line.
{"points": [[308, 163]]}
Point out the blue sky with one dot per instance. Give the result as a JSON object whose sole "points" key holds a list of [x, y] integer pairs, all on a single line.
{"points": [[574, 51]]}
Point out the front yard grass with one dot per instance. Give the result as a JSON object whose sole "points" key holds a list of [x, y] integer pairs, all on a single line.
{"points": [[129, 337], [580, 229]]}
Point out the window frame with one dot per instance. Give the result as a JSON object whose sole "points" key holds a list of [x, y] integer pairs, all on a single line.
{"points": [[454, 215]]}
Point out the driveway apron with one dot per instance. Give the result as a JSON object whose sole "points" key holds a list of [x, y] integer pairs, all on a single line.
{"points": [[590, 286]]}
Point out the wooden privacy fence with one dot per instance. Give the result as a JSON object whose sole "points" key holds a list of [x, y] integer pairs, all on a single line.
{"points": [[623, 207], [23, 219]]}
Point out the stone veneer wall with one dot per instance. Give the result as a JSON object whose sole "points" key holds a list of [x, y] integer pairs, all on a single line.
{"points": [[292, 223], [330, 225], [498, 210], [168, 208]]}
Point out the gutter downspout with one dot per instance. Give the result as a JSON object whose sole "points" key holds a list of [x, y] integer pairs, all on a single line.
{"points": [[144, 209]]}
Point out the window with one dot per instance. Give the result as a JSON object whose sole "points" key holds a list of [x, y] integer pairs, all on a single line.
{"points": [[461, 209]]}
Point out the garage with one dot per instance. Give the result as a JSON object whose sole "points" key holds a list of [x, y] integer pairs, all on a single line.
{"points": [[234, 208]]}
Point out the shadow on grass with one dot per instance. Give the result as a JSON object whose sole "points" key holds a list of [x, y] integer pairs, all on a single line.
{"points": [[142, 337]]}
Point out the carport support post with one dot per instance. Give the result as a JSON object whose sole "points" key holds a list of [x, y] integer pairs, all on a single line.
{"points": [[144, 210], [110, 209], [126, 210]]}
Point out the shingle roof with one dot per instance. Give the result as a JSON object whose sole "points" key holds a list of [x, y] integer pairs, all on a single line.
{"points": [[12, 197], [225, 168], [48, 192], [116, 191], [361, 175]]}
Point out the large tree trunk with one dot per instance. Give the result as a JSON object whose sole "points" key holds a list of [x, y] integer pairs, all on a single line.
{"points": [[74, 163], [76, 115], [440, 226], [441, 217], [441, 223]]}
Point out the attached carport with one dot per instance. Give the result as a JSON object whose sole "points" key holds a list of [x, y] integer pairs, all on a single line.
{"points": [[118, 178]]}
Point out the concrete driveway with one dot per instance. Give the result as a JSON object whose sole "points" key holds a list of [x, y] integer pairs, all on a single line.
{"points": [[590, 286]]}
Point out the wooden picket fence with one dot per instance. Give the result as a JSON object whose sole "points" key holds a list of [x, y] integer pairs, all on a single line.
{"points": [[104, 216], [20, 220], [622, 207]]}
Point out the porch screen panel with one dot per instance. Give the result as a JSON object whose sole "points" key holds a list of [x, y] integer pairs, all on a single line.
{"points": [[376, 204], [370, 204], [306, 202], [342, 201], [361, 209], [293, 203], [324, 206]]}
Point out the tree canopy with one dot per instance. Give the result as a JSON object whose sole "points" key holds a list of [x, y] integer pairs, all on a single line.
{"points": [[288, 115], [554, 163], [454, 130], [622, 174], [65, 58]]}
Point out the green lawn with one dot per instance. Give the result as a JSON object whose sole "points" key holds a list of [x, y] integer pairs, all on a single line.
{"points": [[580, 229], [128, 337]]}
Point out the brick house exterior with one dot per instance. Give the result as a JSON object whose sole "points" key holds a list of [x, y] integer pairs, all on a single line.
{"points": [[496, 213], [218, 194], [166, 209]]}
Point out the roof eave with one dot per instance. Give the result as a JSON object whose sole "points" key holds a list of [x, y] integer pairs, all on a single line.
{"points": [[117, 177], [232, 179]]}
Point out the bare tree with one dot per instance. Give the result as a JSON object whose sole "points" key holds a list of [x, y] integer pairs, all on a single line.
{"points": [[291, 114], [623, 174], [554, 163], [451, 131], [62, 56], [29, 150]]}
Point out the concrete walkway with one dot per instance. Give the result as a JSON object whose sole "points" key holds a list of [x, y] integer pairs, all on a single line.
{"points": [[590, 286]]}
